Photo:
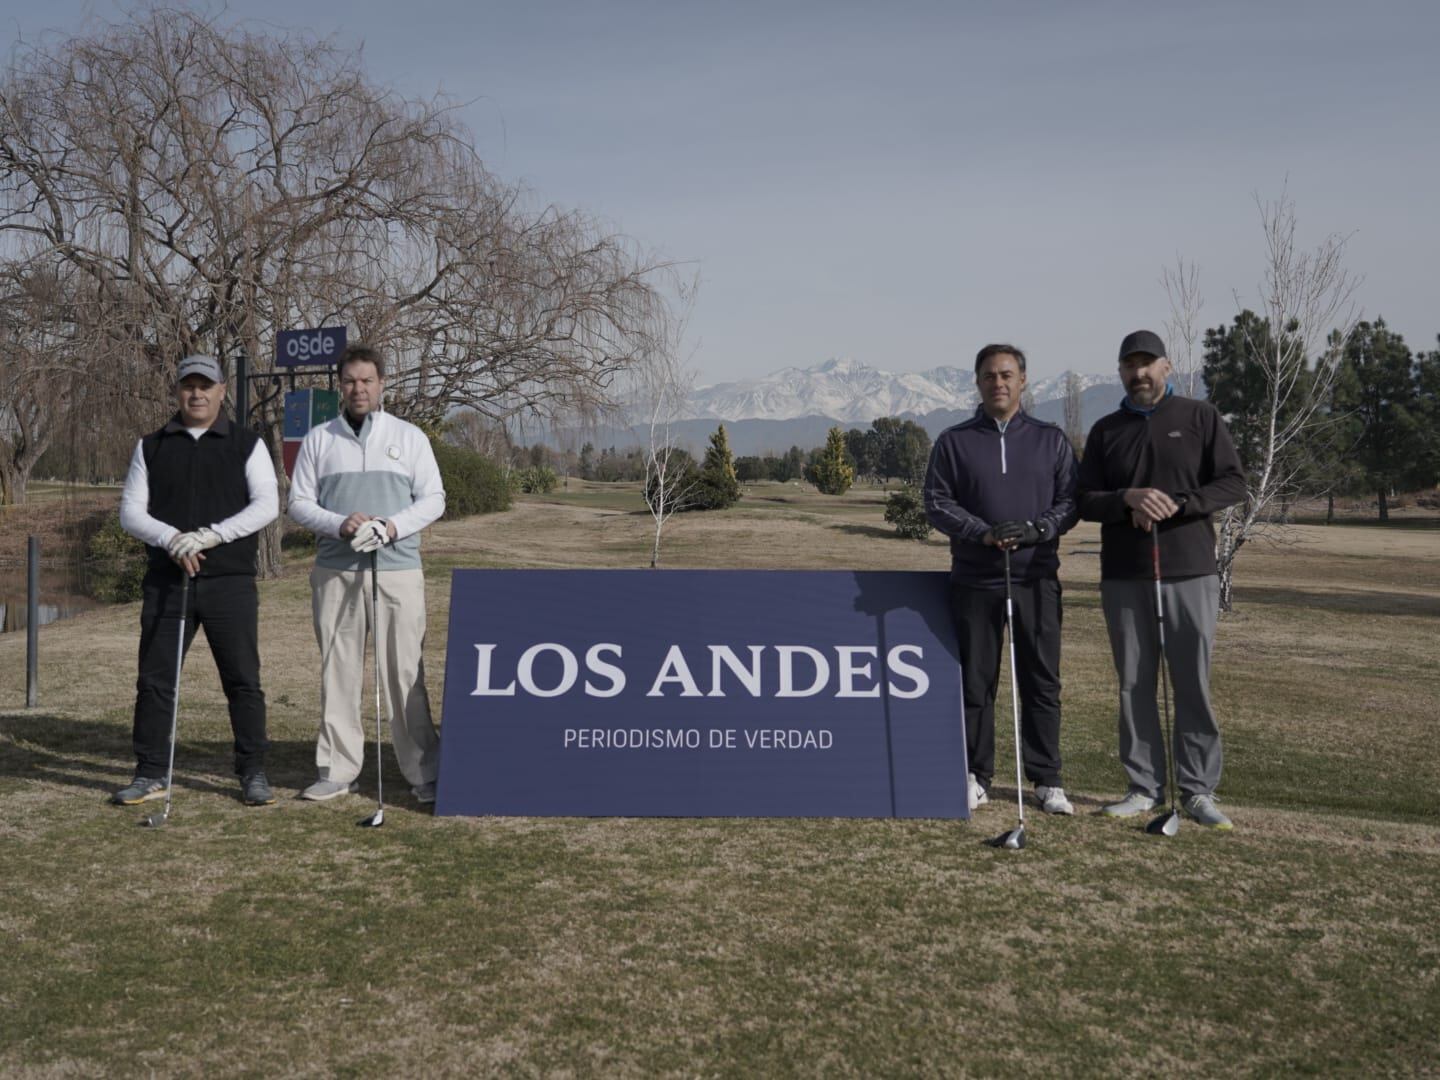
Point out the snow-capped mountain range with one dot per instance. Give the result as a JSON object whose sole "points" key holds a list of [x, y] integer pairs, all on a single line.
{"points": [[847, 390]]}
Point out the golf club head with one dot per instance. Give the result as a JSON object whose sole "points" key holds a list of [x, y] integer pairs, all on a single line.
{"points": [[1167, 824], [154, 821], [374, 821], [1013, 840]]}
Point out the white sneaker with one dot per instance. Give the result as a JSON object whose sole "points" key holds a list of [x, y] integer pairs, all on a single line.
{"points": [[978, 795], [1053, 800], [1135, 802], [1202, 810]]}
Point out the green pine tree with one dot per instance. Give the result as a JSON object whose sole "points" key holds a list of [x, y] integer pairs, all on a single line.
{"points": [[719, 487], [1385, 397], [833, 474]]}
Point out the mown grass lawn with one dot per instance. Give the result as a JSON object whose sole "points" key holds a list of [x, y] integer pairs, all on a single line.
{"points": [[285, 940]]}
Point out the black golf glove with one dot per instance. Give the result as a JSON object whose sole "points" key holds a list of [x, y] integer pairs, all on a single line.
{"points": [[1023, 533]]}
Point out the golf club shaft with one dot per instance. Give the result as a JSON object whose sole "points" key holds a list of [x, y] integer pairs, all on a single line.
{"points": [[1014, 691], [175, 696], [375, 653], [1164, 666]]}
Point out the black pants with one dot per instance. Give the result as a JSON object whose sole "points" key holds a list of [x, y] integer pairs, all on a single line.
{"points": [[979, 616], [228, 607]]}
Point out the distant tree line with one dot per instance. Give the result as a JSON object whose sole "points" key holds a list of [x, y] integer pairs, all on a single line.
{"points": [[891, 449]]}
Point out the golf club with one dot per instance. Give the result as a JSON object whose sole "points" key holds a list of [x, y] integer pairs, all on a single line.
{"points": [[154, 821], [375, 820], [1168, 823], [1013, 840]]}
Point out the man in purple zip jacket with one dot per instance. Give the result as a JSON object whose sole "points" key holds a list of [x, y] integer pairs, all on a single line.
{"points": [[1155, 470], [1004, 481]]}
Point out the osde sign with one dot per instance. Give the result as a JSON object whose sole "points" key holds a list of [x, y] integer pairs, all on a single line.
{"points": [[305, 348]]}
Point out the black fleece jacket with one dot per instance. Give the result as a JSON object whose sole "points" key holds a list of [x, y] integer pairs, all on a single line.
{"points": [[1184, 449], [980, 476]]}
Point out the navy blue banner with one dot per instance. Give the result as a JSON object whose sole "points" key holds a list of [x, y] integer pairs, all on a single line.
{"points": [[728, 693]]}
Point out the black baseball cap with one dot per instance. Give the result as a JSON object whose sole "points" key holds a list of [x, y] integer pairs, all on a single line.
{"points": [[1141, 341]]}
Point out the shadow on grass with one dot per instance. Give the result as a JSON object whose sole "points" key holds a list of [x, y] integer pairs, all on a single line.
{"points": [[1350, 603], [1421, 523], [61, 750], [874, 532]]}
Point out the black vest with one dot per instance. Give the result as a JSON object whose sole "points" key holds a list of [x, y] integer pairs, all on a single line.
{"points": [[195, 483]]}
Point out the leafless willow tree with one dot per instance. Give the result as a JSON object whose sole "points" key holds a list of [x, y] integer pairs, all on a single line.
{"points": [[1182, 329], [34, 355], [212, 185], [1308, 311]]}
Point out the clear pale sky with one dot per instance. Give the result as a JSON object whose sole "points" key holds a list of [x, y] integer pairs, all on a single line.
{"points": [[903, 182]]}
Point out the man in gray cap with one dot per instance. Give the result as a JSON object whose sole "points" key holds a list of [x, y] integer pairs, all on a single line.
{"points": [[197, 492], [1154, 472]]}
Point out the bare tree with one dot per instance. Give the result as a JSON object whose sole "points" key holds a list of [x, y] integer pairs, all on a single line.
{"points": [[1307, 301], [46, 337], [1074, 412], [28, 384], [484, 436], [213, 186], [1182, 329], [662, 390]]}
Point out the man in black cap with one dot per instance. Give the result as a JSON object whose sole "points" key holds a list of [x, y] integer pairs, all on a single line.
{"points": [[197, 492], [1154, 472]]}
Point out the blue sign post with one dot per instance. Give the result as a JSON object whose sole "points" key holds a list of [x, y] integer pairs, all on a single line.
{"points": [[702, 693]]}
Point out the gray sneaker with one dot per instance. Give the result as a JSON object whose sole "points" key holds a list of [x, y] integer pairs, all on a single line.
{"points": [[141, 789], [255, 789], [322, 790], [1053, 800], [1135, 802], [1201, 809], [424, 793]]}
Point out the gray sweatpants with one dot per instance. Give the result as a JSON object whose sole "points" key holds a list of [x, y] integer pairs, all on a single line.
{"points": [[1191, 607], [340, 602]]}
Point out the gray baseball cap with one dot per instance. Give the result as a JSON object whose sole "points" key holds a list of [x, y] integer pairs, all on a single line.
{"points": [[206, 366]]}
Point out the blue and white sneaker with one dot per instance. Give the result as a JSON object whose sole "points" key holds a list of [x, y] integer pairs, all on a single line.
{"points": [[141, 789]]}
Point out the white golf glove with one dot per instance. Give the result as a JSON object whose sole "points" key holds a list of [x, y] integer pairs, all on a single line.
{"points": [[371, 536], [187, 544]]}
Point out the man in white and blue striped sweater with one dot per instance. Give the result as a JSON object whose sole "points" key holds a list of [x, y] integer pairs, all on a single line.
{"points": [[368, 482]]}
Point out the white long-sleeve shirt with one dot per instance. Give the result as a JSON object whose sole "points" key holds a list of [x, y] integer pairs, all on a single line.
{"points": [[263, 507]]}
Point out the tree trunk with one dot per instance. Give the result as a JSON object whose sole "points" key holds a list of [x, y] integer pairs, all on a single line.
{"points": [[1330, 509], [269, 564], [12, 486], [1384, 506], [15, 473], [1227, 594]]}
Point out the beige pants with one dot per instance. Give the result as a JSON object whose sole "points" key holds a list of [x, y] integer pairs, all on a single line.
{"points": [[340, 600]]}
